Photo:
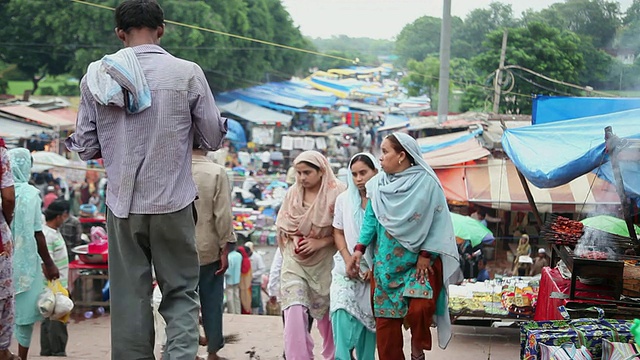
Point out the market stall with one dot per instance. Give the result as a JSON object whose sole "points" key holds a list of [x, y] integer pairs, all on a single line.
{"points": [[590, 261]]}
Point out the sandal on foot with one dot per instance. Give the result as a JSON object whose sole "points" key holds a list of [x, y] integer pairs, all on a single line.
{"points": [[418, 357]]}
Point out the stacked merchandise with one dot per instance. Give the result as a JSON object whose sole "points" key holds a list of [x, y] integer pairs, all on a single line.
{"points": [[579, 337], [503, 298]]}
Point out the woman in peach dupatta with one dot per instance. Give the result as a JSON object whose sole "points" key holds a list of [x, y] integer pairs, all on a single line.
{"points": [[305, 236]]}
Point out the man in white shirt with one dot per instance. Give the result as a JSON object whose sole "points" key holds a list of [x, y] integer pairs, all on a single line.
{"points": [[265, 157], [53, 334]]}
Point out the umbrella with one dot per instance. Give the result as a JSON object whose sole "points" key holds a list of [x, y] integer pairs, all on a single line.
{"points": [[342, 130], [468, 228], [610, 224], [45, 160]]}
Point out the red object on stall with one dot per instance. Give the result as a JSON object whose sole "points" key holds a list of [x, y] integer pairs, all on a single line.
{"points": [[553, 284]]}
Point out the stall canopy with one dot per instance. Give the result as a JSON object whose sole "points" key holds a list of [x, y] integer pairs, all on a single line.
{"points": [[494, 183], [264, 101], [38, 116], [451, 149], [16, 129], [255, 114], [548, 109], [553, 154]]}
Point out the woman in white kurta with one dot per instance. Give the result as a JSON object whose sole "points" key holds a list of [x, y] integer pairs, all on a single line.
{"points": [[351, 314]]}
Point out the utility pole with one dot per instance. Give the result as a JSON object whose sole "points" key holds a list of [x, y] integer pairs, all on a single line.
{"points": [[445, 51], [498, 78]]}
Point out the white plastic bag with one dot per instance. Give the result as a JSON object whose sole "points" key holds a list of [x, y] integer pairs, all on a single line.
{"points": [[47, 302]]}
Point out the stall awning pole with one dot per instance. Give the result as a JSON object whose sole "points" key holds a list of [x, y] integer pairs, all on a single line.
{"points": [[613, 148], [532, 201]]}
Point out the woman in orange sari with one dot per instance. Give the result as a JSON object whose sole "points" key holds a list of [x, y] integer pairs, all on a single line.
{"points": [[305, 236]]}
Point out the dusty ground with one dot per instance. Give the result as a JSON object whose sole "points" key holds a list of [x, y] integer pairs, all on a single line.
{"points": [[89, 339]]}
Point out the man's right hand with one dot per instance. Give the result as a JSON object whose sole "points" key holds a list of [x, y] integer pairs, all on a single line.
{"points": [[224, 263]]}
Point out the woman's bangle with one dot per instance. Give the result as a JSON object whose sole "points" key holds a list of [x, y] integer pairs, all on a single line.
{"points": [[360, 247], [425, 254]]}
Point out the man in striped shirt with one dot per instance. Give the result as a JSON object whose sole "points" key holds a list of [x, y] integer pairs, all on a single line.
{"points": [[147, 155], [53, 334]]}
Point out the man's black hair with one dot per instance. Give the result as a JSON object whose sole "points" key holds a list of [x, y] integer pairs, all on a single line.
{"points": [[56, 208], [137, 14]]}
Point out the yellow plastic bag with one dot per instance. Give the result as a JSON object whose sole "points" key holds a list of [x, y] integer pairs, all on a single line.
{"points": [[64, 305]]}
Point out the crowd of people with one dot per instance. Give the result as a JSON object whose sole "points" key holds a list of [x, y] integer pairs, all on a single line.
{"points": [[361, 261]]}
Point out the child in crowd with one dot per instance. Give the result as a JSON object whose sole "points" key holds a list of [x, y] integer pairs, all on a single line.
{"points": [[53, 333]]}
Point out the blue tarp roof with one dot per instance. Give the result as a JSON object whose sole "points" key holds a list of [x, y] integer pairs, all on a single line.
{"points": [[548, 109], [301, 91], [466, 136], [235, 95], [553, 154]]}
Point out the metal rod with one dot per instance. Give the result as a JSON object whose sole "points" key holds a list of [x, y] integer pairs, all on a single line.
{"points": [[532, 201], [612, 143]]}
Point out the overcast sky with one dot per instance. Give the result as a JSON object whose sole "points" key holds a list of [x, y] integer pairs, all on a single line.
{"points": [[383, 19]]}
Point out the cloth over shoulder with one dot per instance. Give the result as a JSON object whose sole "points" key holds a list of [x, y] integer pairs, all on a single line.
{"points": [[117, 75]]}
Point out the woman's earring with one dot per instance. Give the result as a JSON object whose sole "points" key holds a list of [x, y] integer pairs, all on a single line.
{"points": [[399, 162]]}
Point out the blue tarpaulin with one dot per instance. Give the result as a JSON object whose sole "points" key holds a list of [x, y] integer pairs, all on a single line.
{"points": [[553, 154], [548, 109], [444, 144], [236, 134]]}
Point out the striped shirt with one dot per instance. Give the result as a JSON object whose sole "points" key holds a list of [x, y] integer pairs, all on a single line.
{"points": [[58, 251], [147, 155]]}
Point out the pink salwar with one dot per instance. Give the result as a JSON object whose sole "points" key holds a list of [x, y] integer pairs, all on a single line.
{"points": [[298, 344]]}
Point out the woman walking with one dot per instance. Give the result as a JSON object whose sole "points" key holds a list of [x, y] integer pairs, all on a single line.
{"points": [[305, 236], [7, 194], [351, 313], [29, 242], [415, 251]]}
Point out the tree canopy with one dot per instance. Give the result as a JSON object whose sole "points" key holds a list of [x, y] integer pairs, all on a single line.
{"points": [[57, 36]]}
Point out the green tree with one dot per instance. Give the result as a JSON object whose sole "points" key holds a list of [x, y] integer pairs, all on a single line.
{"points": [[537, 46], [597, 19], [479, 23], [57, 36], [27, 39], [421, 38]]}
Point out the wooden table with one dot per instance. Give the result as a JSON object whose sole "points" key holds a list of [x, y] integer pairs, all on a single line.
{"points": [[85, 274]]}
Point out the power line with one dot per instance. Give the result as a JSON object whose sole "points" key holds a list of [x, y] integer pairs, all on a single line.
{"points": [[195, 27]]}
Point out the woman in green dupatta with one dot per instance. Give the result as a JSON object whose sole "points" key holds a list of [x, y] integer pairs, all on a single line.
{"points": [[414, 252], [29, 242]]}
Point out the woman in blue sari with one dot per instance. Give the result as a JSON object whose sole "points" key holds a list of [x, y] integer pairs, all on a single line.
{"points": [[414, 252], [29, 242]]}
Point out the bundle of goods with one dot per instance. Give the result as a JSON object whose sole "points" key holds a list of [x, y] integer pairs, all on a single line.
{"points": [[520, 300], [588, 332], [54, 303], [564, 231]]}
